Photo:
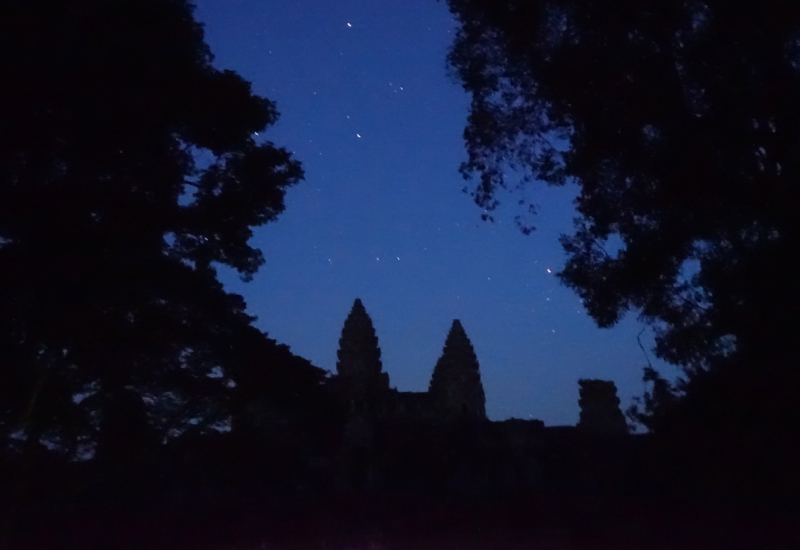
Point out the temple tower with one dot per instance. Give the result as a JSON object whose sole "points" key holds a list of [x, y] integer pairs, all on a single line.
{"points": [[359, 367], [456, 388], [600, 413]]}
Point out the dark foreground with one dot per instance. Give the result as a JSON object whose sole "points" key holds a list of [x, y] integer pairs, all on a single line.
{"points": [[400, 521]]}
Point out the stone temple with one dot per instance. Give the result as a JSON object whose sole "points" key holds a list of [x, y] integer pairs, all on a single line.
{"points": [[455, 392]]}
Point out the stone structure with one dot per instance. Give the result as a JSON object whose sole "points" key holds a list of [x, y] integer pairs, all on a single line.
{"points": [[456, 387], [455, 391], [441, 438], [360, 380], [600, 413]]}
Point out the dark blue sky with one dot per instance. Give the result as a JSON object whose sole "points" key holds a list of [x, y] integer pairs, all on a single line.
{"points": [[367, 106]]}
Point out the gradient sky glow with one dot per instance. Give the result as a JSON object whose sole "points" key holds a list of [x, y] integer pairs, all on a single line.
{"points": [[367, 106]]}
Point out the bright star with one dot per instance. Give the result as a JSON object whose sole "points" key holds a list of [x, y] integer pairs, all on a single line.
{"points": [[349, 25], [358, 135], [549, 271]]}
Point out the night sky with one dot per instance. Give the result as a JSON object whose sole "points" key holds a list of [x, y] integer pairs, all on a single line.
{"points": [[368, 107]]}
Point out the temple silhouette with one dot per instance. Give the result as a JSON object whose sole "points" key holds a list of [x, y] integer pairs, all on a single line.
{"points": [[455, 391], [371, 436]]}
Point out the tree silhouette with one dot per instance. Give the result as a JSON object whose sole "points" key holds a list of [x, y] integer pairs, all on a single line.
{"points": [[269, 377], [600, 413], [129, 169], [678, 121], [651, 409], [456, 386], [125, 432]]}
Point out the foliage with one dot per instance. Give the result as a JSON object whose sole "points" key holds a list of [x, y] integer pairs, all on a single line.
{"points": [[128, 170], [658, 401], [270, 379], [678, 121]]}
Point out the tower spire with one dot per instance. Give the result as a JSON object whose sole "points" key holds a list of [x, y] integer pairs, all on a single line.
{"points": [[359, 357], [456, 385]]}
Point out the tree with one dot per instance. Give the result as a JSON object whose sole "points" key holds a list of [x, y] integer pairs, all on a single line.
{"points": [[129, 169], [678, 121], [456, 386], [600, 413], [359, 366], [657, 402], [125, 433], [270, 380]]}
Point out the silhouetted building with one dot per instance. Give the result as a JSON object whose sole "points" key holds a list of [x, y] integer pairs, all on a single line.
{"points": [[600, 412], [442, 439], [456, 388], [359, 377], [455, 392]]}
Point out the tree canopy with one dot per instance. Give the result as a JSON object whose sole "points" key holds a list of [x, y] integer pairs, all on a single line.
{"points": [[129, 168], [679, 122]]}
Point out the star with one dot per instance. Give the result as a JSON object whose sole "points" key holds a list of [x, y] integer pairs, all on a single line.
{"points": [[349, 25], [549, 271], [358, 135]]}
